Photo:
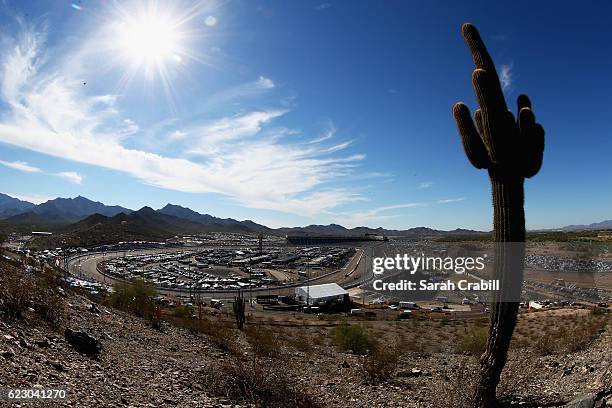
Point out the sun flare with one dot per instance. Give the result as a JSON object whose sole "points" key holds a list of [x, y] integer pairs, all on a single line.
{"points": [[148, 39]]}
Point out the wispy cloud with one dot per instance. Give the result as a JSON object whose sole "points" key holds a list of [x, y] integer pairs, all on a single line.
{"points": [[425, 184], [216, 133], [239, 156], [239, 92], [21, 166], [377, 216], [178, 134], [71, 176], [450, 200], [322, 6], [505, 77], [328, 133]]}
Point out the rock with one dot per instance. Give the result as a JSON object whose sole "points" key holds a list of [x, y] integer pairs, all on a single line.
{"points": [[415, 372], [24, 343], [583, 401], [345, 364], [8, 353], [57, 365], [44, 343], [83, 343]]}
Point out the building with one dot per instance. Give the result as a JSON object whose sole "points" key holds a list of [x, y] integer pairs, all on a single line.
{"points": [[321, 294]]}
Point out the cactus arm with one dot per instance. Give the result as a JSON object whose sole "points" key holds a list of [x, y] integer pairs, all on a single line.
{"points": [[472, 143], [532, 135], [481, 56], [535, 152]]}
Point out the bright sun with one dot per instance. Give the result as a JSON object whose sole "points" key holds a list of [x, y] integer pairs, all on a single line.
{"points": [[157, 40], [149, 39]]}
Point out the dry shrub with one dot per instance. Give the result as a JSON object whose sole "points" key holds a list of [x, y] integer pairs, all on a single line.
{"points": [[569, 339], [380, 364], [184, 312], [473, 342], [301, 342], [353, 338], [580, 337], [134, 297], [264, 341], [20, 291], [257, 382], [221, 334], [545, 344], [15, 292]]}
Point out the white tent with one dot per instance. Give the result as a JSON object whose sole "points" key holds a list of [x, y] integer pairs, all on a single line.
{"points": [[319, 294]]}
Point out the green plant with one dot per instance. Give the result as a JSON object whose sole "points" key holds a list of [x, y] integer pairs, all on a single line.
{"points": [[354, 338], [510, 149], [182, 311], [135, 297]]}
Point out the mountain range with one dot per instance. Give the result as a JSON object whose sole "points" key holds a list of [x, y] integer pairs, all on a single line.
{"points": [[79, 220], [607, 224]]}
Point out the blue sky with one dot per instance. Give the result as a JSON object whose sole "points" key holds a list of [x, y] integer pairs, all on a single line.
{"points": [[292, 113]]}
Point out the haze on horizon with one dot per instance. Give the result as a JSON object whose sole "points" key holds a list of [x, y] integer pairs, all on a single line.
{"points": [[292, 114]]}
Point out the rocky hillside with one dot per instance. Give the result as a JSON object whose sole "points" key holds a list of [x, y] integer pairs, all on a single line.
{"points": [[284, 362]]}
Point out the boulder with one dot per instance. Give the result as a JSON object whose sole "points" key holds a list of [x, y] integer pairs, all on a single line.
{"points": [[583, 401], [83, 343]]}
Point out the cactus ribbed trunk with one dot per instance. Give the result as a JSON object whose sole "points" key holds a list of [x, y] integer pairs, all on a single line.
{"points": [[509, 234], [508, 211]]}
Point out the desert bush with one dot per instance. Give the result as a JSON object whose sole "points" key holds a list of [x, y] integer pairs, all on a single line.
{"points": [[599, 311], [354, 338], [570, 339], [220, 333], [380, 364], [473, 342], [15, 292], [20, 291], [135, 297], [580, 337], [184, 312], [545, 344], [265, 342], [301, 342], [257, 383]]}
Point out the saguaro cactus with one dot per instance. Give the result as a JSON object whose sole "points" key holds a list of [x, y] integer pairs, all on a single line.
{"points": [[510, 149], [239, 310]]}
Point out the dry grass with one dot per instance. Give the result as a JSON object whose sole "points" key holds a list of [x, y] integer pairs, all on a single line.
{"points": [[220, 333], [257, 382], [263, 341], [559, 334]]}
